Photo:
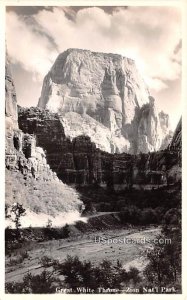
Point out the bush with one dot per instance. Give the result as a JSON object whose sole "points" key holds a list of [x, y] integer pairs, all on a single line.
{"points": [[106, 275], [19, 258], [172, 217], [14, 288], [76, 274], [36, 284], [66, 231], [130, 214], [134, 275], [164, 267], [149, 216], [16, 260], [46, 261]]}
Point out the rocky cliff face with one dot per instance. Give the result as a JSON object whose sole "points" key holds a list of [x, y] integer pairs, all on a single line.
{"points": [[11, 116], [10, 94], [109, 89], [21, 152], [29, 178], [78, 161], [176, 142]]}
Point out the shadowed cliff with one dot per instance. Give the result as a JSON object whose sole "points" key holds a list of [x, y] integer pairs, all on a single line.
{"points": [[79, 161]]}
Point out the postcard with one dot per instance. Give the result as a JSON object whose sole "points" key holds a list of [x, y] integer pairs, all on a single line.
{"points": [[94, 148]]}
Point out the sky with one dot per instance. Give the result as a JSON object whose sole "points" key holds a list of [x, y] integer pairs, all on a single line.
{"points": [[35, 35]]}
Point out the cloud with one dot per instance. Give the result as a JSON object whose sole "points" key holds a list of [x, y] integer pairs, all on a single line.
{"points": [[150, 35], [156, 83], [28, 47]]}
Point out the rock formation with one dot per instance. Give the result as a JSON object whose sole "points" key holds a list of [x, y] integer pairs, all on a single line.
{"points": [[11, 116], [44, 147], [21, 151], [10, 94], [78, 161], [29, 178], [176, 142], [104, 96]]}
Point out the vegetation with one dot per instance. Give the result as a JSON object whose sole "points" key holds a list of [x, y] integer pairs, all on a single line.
{"points": [[14, 213], [147, 216], [38, 284], [18, 259], [130, 216], [157, 207], [18, 212], [163, 268], [76, 274], [100, 199]]}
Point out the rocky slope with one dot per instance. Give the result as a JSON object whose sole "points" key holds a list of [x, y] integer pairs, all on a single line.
{"points": [[175, 146], [108, 88], [176, 142], [29, 179], [79, 161]]}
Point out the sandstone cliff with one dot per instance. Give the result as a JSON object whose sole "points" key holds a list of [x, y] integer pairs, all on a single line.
{"points": [[78, 161], [29, 179], [10, 94], [11, 116], [175, 146], [176, 142], [108, 88]]}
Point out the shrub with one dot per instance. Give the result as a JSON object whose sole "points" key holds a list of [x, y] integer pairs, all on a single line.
{"points": [[76, 274], [130, 214], [134, 275], [172, 217], [164, 266], [149, 216], [14, 287], [36, 284], [46, 261], [19, 258], [66, 231], [24, 255], [106, 275]]}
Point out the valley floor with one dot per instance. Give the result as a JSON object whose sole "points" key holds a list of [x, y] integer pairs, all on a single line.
{"points": [[86, 247]]}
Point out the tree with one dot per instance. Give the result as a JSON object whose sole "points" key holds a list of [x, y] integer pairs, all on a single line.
{"points": [[71, 271], [76, 274], [49, 223], [66, 231], [105, 275], [164, 267], [43, 283], [18, 212], [133, 275], [108, 275]]}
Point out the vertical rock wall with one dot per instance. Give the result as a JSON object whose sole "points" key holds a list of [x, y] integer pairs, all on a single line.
{"points": [[108, 88]]}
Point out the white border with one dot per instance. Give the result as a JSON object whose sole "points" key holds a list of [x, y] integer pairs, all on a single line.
{"points": [[179, 3]]}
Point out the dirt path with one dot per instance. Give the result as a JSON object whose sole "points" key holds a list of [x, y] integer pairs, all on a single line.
{"points": [[94, 247], [98, 214]]}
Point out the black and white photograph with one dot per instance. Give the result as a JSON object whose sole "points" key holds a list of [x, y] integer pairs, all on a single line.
{"points": [[93, 149]]}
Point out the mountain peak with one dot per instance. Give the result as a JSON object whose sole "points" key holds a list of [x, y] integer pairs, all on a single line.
{"points": [[109, 88]]}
